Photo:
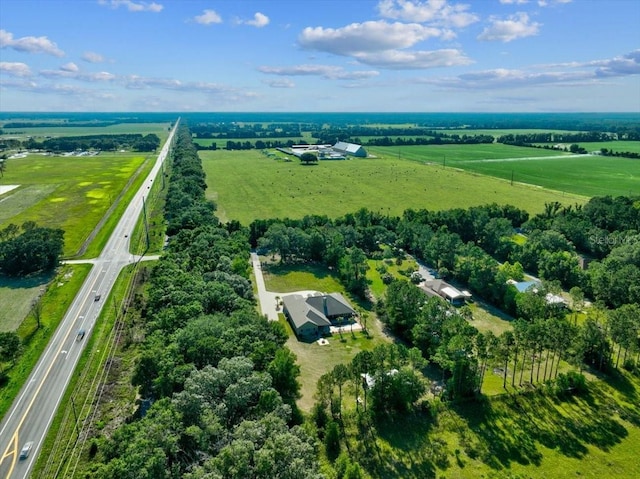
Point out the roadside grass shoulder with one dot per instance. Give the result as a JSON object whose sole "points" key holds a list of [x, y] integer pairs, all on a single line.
{"points": [[100, 375], [55, 302]]}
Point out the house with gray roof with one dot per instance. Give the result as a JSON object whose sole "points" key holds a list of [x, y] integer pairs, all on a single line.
{"points": [[311, 316]]}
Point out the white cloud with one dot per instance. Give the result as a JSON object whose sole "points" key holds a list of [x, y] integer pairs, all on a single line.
{"points": [[29, 44], [218, 90], [16, 69], [280, 83], [628, 64], [435, 12], [326, 71], [405, 60], [514, 27], [71, 71], [562, 74], [372, 36], [208, 17], [92, 57], [384, 45], [512, 2], [259, 20], [132, 6], [546, 3], [70, 67]]}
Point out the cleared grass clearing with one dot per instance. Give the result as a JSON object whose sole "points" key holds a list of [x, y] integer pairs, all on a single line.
{"points": [[72, 193], [247, 185], [526, 436]]}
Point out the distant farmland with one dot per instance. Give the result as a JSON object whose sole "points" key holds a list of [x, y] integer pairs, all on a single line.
{"points": [[247, 185], [582, 174]]}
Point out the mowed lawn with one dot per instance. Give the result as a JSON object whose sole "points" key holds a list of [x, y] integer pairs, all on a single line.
{"points": [[247, 185], [577, 174], [72, 192]]}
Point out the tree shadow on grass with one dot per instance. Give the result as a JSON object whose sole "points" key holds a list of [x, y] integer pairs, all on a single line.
{"points": [[26, 282], [403, 448], [512, 428]]}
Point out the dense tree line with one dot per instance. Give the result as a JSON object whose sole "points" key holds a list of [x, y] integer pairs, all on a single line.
{"points": [[29, 249], [436, 138], [555, 137], [235, 130], [624, 154], [221, 385]]}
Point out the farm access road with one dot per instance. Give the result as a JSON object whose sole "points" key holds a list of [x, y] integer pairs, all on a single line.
{"points": [[35, 406]]}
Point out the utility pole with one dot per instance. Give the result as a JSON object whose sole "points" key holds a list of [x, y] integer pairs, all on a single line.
{"points": [[73, 408], [144, 217]]}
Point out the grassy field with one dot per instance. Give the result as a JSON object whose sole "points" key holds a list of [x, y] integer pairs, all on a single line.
{"points": [[581, 175], [72, 193], [247, 185]]}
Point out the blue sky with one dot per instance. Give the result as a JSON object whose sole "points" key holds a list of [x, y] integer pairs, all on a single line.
{"points": [[320, 55]]}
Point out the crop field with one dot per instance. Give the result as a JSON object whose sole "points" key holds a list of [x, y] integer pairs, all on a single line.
{"points": [[39, 133], [72, 193], [584, 175], [246, 185]]}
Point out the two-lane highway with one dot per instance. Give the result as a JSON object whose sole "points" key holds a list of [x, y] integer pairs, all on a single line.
{"points": [[33, 410]]}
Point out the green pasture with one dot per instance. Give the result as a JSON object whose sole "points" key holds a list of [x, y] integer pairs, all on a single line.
{"points": [[40, 133], [584, 175], [447, 155], [72, 193], [247, 185]]}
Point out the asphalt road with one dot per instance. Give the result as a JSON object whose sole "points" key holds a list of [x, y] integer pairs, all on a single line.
{"points": [[33, 410]]}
